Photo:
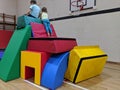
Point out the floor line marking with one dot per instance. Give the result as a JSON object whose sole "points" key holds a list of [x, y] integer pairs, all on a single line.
{"points": [[75, 85], [69, 83], [43, 88]]}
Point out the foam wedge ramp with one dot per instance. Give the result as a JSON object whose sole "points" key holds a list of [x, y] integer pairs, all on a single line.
{"points": [[10, 63], [53, 74], [39, 30], [85, 62]]}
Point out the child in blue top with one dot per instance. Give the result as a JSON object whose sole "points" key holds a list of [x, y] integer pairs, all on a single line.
{"points": [[34, 9], [46, 22]]}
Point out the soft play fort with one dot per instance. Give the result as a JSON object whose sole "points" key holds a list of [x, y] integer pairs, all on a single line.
{"points": [[29, 53]]}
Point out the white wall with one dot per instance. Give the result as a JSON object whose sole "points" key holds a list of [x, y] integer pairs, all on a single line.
{"points": [[59, 8], [8, 6], [23, 6], [103, 29]]}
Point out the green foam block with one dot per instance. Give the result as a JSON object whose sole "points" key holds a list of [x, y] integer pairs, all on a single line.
{"points": [[10, 63], [24, 20]]}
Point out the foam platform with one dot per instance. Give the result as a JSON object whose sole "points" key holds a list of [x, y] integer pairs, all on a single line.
{"points": [[85, 62], [53, 74], [51, 45], [10, 63], [24, 20], [38, 30], [32, 64], [5, 36]]}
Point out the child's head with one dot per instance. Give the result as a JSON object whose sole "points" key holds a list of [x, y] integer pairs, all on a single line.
{"points": [[44, 9], [33, 2]]}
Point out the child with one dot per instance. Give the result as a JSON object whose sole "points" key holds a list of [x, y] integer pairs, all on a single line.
{"points": [[46, 22], [34, 9]]}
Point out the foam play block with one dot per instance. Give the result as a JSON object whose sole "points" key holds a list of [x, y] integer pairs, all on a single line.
{"points": [[10, 63], [85, 62], [1, 53], [51, 45], [38, 30], [53, 74], [5, 36], [24, 20], [32, 64]]}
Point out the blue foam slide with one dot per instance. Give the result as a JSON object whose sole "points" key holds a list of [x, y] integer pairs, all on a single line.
{"points": [[53, 74]]}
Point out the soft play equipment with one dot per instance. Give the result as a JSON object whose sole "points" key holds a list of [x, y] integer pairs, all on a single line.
{"points": [[38, 30], [51, 45], [32, 64], [10, 63], [1, 53], [85, 62], [53, 74], [5, 36], [24, 20]]}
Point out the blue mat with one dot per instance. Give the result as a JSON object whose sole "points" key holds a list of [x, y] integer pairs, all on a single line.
{"points": [[1, 54]]}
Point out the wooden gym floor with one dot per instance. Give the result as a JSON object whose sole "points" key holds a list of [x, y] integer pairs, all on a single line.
{"points": [[108, 80]]}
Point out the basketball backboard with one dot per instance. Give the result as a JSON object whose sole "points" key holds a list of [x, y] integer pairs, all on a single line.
{"points": [[77, 5]]}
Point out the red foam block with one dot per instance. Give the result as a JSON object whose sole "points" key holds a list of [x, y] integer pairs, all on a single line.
{"points": [[38, 30], [4, 38], [51, 45]]}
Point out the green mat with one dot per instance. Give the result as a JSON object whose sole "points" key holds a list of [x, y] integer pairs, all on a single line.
{"points": [[10, 63], [24, 20]]}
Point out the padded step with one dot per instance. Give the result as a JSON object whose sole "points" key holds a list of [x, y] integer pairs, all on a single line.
{"points": [[51, 45]]}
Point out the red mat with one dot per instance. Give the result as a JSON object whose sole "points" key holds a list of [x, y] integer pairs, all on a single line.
{"points": [[38, 30], [4, 38], [51, 45]]}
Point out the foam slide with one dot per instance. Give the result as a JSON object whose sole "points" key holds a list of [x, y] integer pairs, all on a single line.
{"points": [[10, 62]]}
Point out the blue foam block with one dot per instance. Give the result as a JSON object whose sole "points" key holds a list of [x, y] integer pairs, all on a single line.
{"points": [[53, 74], [1, 54]]}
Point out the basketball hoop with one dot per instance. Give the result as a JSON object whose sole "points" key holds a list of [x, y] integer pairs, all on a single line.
{"points": [[81, 6], [78, 4]]}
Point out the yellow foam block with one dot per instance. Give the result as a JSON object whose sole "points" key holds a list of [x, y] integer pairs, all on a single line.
{"points": [[85, 62], [32, 60]]}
